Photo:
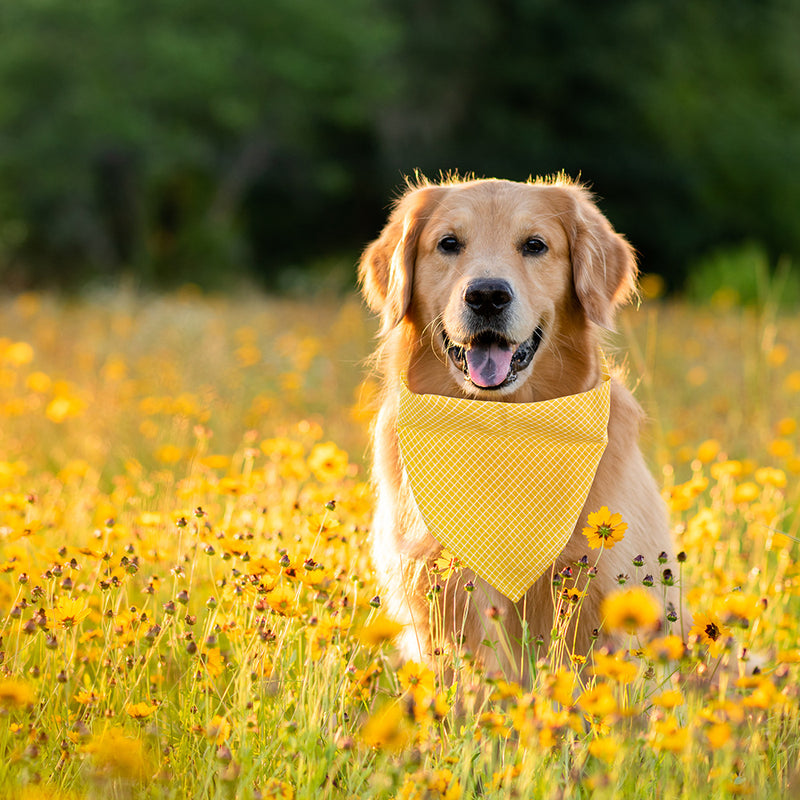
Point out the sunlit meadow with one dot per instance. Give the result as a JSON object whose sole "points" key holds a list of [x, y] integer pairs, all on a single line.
{"points": [[188, 607]]}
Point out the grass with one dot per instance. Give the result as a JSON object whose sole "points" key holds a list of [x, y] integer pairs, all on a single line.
{"points": [[188, 603]]}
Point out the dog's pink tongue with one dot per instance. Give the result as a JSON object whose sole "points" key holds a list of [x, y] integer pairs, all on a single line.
{"points": [[488, 364]]}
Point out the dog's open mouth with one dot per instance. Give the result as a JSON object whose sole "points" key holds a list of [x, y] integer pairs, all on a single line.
{"points": [[491, 362]]}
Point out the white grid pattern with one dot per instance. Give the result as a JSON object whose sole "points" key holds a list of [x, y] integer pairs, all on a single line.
{"points": [[502, 484]]}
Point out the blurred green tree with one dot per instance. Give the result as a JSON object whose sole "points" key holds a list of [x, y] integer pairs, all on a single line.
{"points": [[182, 140], [684, 117], [131, 133], [724, 112]]}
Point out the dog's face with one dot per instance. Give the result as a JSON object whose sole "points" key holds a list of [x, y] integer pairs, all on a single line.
{"points": [[492, 274]]}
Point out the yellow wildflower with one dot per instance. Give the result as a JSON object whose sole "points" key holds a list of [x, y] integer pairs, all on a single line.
{"points": [[38, 382], [64, 405], [416, 677], [573, 595], [788, 656], [505, 690], [169, 454], [724, 469], [275, 789], [666, 648], [631, 610], [769, 476], [605, 748], [708, 451], [362, 680], [327, 462], [680, 497], [615, 667], [17, 353], [118, 755], [386, 729], [670, 698], [667, 734], [446, 564], [282, 600], [704, 527], [781, 448], [14, 693], [504, 779], [87, 697], [218, 730], [426, 785], [216, 461], [707, 629], [140, 710], [380, 630], [764, 695], [605, 529], [746, 492], [560, 687], [522, 716], [740, 605], [718, 734], [439, 705], [598, 701], [70, 612], [494, 723], [212, 660]]}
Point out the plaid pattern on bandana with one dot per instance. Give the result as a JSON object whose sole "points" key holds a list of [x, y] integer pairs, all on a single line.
{"points": [[501, 485]]}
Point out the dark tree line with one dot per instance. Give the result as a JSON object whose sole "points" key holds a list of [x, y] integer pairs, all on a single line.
{"points": [[183, 141]]}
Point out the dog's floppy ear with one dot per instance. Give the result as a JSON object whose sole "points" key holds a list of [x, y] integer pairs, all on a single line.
{"points": [[603, 263], [386, 271]]}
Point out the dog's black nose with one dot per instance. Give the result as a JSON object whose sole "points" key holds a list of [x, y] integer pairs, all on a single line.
{"points": [[488, 296]]}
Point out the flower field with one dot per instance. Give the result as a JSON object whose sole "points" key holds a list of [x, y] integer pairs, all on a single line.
{"points": [[187, 607]]}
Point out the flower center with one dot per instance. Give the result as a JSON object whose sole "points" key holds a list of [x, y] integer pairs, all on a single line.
{"points": [[712, 631]]}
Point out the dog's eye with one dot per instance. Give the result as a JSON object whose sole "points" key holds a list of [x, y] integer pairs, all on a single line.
{"points": [[533, 247], [449, 244]]}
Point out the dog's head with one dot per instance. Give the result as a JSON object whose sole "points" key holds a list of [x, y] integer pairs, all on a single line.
{"points": [[491, 275]]}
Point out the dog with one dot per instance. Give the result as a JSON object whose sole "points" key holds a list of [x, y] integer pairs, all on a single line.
{"points": [[501, 291]]}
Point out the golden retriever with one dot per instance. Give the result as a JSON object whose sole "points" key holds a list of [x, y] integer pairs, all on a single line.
{"points": [[497, 290]]}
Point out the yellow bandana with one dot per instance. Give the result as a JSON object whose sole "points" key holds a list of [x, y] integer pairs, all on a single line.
{"points": [[502, 484]]}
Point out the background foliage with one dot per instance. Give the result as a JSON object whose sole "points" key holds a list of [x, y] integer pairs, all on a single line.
{"points": [[182, 141]]}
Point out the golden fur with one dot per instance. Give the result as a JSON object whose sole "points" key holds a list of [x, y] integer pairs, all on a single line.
{"points": [[571, 291]]}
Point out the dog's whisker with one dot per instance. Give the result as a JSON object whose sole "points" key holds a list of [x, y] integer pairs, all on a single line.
{"points": [[434, 330]]}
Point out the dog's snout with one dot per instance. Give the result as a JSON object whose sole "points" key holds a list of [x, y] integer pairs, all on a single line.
{"points": [[488, 296]]}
